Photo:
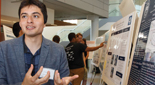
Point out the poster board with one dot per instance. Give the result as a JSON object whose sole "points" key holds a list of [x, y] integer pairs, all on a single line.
{"points": [[126, 7], [8, 33], [118, 50], [90, 44], [97, 53], [104, 50], [143, 64]]}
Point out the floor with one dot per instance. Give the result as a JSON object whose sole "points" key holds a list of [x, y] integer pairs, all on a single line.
{"points": [[90, 77], [96, 79]]}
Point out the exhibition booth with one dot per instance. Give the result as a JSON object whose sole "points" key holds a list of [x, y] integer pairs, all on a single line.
{"points": [[128, 55]]}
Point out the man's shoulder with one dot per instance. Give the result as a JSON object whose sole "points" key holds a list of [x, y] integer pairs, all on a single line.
{"points": [[10, 42]]}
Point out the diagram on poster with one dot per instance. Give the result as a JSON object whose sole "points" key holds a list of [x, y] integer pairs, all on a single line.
{"points": [[119, 49]]}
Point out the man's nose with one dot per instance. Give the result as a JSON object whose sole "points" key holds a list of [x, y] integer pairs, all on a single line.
{"points": [[30, 20]]}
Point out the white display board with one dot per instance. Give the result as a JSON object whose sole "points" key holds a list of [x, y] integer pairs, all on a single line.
{"points": [[143, 63], [104, 50], [118, 50], [8, 33], [90, 44], [97, 54], [126, 7]]}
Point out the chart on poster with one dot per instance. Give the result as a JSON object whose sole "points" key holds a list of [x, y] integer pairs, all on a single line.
{"points": [[143, 64], [119, 49]]}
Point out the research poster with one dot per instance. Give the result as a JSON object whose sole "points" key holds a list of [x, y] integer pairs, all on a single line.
{"points": [[97, 54], [119, 49], [103, 51], [143, 65], [8, 33]]}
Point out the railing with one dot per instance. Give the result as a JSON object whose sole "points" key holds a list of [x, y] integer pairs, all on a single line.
{"points": [[80, 28]]}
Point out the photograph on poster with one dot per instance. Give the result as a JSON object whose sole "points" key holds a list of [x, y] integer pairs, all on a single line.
{"points": [[112, 72], [116, 58], [112, 59]]}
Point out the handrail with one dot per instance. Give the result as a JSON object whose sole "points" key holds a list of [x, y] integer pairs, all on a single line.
{"points": [[71, 29]]}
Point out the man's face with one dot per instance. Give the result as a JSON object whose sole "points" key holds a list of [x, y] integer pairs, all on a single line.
{"points": [[31, 21], [79, 39]]}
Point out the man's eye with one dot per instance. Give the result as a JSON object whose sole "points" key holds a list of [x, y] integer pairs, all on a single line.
{"points": [[24, 16], [36, 16]]}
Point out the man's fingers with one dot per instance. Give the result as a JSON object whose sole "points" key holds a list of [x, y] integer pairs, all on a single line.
{"points": [[73, 77], [30, 70], [63, 81], [35, 77], [44, 79], [57, 79]]}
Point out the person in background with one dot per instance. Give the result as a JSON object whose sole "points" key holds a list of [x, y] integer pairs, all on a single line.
{"points": [[17, 31], [24, 59], [85, 59], [74, 52], [79, 37], [56, 39]]}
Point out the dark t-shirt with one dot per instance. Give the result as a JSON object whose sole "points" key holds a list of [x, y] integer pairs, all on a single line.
{"points": [[74, 55]]}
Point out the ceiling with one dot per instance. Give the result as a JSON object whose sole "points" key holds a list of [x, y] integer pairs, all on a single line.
{"points": [[62, 12], [65, 11]]}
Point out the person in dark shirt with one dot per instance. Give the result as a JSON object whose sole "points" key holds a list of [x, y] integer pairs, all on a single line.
{"points": [[75, 59], [56, 39], [85, 60], [17, 31]]}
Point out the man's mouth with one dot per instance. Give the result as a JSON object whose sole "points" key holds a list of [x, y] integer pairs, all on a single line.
{"points": [[30, 27]]}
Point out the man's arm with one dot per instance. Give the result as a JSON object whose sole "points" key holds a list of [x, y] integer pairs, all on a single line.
{"points": [[94, 48], [87, 55]]}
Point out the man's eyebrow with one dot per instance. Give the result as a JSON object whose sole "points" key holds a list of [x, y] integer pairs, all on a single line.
{"points": [[23, 13], [36, 13], [32, 13]]}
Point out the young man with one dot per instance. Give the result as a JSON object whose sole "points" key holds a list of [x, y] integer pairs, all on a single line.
{"points": [[22, 60], [74, 52]]}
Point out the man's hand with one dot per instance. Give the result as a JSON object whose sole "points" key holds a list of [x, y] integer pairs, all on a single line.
{"points": [[33, 80], [63, 81], [102, 44]]}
